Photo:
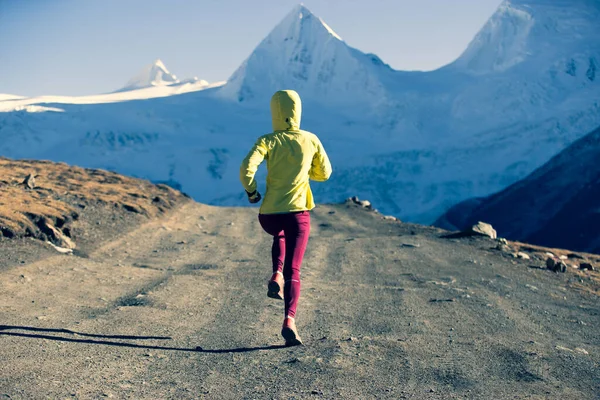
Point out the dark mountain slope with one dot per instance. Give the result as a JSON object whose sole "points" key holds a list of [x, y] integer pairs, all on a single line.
{"points": [[557, 205]]}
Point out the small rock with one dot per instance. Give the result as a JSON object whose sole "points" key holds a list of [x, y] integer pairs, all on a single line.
{"points": [[563, 349], [531, 287], [524, 256], [356, 200], [556, 265], [503, 248], [56, 236], [581, 351], [411, 245], [588, 266], [29, 181], [550, 254], [390, 218], [351, 339], [563, 257], [503, 241], [483, 229], [61, 250], [365, 203], [574, 255]]}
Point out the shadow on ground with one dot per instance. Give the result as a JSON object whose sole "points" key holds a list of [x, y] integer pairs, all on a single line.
{"points": [[199, 349]]}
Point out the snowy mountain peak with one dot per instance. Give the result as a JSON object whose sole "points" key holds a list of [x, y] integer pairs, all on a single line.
{"points": [[501, 43], [300, 14], [155, 74], [303, 53], [549, 30]]}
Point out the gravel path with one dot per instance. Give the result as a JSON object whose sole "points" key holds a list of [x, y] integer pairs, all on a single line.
{"points": [[177, 309]]}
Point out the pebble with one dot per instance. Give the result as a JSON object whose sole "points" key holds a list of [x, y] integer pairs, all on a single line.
{"points": [[524, 256], [588, 266]]}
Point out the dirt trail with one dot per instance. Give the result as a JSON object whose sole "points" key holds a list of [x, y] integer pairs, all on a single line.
{"points": [[177, 309]]}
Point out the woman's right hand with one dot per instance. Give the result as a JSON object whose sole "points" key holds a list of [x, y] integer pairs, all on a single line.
{"points": [[254, 197]]}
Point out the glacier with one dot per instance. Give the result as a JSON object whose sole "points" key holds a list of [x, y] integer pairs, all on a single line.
{"points": [[414, 143]]}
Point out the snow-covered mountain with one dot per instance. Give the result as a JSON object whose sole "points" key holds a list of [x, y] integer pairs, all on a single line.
{"points": [[155, 74], [304, 53], [153, 81], [558, 205], [414, 143]]}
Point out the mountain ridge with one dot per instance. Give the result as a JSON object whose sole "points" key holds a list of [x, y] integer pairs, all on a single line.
{"points": [[415, 143]]}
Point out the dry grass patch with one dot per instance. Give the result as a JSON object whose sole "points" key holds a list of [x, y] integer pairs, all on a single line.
{"points": [[46, 208]]}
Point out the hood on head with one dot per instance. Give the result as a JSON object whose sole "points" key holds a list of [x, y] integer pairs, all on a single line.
{"points": [[286, 110]]}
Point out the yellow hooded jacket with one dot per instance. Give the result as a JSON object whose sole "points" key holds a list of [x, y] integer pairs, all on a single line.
{"points": [[293, 157]]}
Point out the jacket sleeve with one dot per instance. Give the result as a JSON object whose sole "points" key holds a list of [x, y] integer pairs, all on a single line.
{"points": [[250, 164], [320, 169]]}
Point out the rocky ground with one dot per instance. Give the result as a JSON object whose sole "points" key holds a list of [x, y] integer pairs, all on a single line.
{"points": [[174, 306], [71, 208]]}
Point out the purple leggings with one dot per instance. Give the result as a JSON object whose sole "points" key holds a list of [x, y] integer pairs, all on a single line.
{"points": [[290, 233]]}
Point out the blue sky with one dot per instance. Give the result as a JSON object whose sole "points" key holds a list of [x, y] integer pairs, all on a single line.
{"points": [[76, 47]]}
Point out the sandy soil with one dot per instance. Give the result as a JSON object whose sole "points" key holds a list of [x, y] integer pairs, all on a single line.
{"points": [[177, 309]]}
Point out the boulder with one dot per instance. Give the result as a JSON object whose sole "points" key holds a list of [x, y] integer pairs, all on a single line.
{"points": [[483, 229]]}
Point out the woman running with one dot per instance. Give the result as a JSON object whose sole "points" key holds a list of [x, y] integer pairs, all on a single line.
{"points": [[293, 157]]}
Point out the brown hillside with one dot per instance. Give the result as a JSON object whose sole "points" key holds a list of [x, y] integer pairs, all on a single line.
{"points": [[47, 206]]}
